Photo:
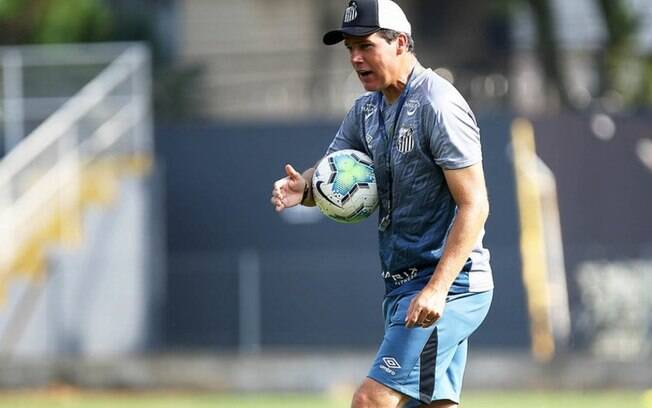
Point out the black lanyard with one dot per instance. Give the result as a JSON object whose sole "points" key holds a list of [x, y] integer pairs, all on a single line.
{"points": [[384, 223]]}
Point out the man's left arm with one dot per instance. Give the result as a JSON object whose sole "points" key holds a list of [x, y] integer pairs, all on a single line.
{"points": [[467, 186]]}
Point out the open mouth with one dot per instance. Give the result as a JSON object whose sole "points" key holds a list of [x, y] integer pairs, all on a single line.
{"points": [[364, 74]]}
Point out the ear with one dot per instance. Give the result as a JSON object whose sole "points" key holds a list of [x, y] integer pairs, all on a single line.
{"points": [[401, 44]]}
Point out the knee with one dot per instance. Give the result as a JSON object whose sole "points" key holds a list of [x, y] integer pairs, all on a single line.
{"points": [[362, 399], [374, 395]]}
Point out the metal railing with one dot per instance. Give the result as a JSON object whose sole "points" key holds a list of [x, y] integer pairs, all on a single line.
{"points": [[109, 117]]}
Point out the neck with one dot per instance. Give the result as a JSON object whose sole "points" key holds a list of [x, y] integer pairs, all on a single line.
{"points": [[393, 91]]}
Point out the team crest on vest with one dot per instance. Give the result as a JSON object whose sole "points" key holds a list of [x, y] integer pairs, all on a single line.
{"points": [[368, 109], [351, 12], [405, 140]]}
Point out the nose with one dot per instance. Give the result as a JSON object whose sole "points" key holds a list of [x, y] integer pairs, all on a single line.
{"points": [[356, 57]]}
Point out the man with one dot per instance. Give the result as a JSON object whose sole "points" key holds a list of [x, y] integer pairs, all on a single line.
{"points": [[425, 144]]}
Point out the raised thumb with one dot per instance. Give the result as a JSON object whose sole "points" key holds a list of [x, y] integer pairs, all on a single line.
{"points": [[291, 172]]}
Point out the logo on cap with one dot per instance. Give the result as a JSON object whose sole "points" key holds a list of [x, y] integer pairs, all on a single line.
{"points": [[351, 12]]}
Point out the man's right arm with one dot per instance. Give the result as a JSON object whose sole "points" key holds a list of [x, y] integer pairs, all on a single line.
{"points": [[296, 188]]}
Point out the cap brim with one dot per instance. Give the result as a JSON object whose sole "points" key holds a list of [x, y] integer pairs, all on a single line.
{"points": [[335, 36]]}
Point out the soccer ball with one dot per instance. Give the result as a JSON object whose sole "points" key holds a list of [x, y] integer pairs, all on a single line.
{"points": [[344, 186]]}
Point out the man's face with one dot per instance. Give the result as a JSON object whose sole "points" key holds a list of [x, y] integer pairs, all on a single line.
{"points": [[374, 60]]}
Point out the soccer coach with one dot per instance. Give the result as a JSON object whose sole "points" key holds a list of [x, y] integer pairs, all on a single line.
{"points": [[425, 144]]}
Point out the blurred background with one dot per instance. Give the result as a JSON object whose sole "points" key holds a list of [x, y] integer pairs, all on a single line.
{"points": [[141, 138]]}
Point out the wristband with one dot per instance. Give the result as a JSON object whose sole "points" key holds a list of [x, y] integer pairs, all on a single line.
{"points": [[306, 191]]}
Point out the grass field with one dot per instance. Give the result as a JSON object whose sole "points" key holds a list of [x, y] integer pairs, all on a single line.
{"points": [[68, 399]]}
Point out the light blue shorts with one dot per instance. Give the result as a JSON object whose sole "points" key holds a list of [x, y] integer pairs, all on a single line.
{"points": [[427, 364]]}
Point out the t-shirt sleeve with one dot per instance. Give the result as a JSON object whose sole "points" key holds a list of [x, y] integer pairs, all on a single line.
{"points": [[348, 135], [454, 133]]}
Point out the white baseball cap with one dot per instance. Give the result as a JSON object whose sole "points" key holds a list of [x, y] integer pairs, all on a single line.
{"points": [[364, 17]]}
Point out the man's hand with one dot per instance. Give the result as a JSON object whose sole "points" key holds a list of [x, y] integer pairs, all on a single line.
{"points": [[426, 308], [288, 191]]}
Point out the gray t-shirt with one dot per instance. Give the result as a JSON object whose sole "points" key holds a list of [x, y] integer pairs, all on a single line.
{"points": [[436, 130]]}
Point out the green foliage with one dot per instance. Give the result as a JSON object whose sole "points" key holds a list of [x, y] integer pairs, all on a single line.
{"points": [[645, 94], [10, 8], [621, 70], [507, 7], [619, 50], [54, 21], [74, 21]]}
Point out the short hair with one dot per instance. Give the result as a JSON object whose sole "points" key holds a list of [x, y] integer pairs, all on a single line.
{"points": [[391, 35]]}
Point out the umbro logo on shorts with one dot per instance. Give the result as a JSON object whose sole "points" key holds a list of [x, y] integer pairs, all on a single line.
{"points": [[391, 362], [389, 365]]}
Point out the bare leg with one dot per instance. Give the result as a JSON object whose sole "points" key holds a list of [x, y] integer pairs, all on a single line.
{"points": [[372, 394]]}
